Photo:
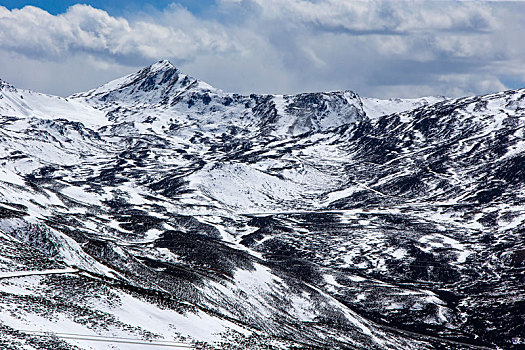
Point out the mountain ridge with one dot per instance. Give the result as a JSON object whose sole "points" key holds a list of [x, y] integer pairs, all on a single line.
{"points": [[317, 220]]}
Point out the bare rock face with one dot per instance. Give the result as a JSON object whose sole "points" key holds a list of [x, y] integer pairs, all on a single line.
{"points": [[158, 209]]}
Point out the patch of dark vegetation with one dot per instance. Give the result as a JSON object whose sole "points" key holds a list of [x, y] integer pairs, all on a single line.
{"points": [[132, 218], [267, 226], [423, 266], [378, 150], [205, 253], [171, 186], [109, 176], [9, 213], [359, 199], [138, 221], [489, 195], [489, 219], [68, 225], [409, 185], [511, 170], [503, 328], [192, 225]]}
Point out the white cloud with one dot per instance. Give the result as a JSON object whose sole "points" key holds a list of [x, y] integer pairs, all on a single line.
{"points": [[376, 47], [34, 32]]}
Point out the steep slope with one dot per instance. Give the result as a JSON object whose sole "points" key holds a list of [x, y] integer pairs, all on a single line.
{"points": [[177, 212]]}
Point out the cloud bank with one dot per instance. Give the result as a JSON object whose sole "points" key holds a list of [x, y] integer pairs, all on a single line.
{"points": [[376, 48]]}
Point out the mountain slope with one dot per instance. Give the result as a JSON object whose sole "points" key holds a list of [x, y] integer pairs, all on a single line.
{"points": [[157, 207], [160, 93], [24, 103]]}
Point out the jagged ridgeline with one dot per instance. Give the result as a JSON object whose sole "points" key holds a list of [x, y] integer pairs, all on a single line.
{"points": [[159, 210]]}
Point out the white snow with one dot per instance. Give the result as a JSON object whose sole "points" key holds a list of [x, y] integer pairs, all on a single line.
{"points": [[25, 104], [375, 108], [13, 274]]}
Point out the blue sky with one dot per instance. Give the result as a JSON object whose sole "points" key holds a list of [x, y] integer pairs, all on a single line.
{"points": [[114, 7], [379, 48]]}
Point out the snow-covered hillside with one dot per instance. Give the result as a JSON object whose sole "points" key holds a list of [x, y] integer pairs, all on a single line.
{"points": [[158, 209], [375, 108]]}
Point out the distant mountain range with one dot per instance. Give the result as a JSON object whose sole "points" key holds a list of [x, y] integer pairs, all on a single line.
{"points": [[157, 209]]}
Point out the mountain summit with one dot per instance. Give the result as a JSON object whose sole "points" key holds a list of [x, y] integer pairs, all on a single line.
{"points": [[157, 210], [152, 84], [162, 90]]}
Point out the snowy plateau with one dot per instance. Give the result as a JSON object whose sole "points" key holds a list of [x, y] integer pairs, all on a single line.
{"points": [[157, 211]]}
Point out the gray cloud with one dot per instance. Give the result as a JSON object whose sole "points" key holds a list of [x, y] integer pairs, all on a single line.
{"points": [[377, 48], [379, 17]]}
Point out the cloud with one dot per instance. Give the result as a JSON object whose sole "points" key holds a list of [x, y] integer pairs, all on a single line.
{"points": [[394, 48], [378, 17], [35, 33], [377, 47]]}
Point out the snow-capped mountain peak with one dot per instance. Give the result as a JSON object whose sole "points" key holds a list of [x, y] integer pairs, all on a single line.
{"points": [[151, 85], [161, 65], [164, 91]]}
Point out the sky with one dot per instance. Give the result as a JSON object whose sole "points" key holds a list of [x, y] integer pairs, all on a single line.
{"points": [[377, 48]]}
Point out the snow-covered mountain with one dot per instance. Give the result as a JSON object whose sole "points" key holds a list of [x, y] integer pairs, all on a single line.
{"points": [[160, 93], [159, 209]]}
